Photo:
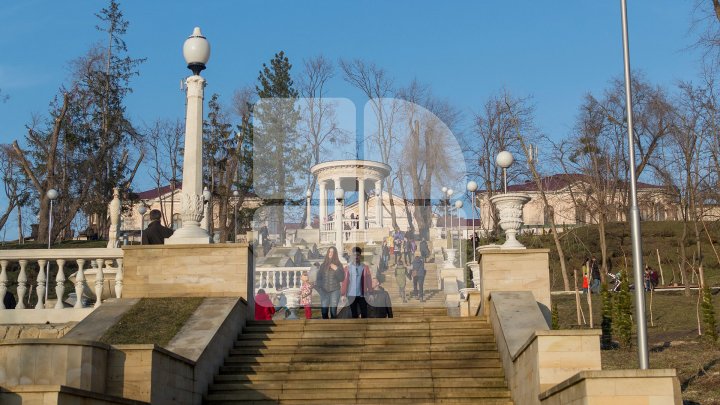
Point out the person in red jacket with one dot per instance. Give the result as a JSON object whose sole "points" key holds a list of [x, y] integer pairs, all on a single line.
{"points": [[264, 308], [357, 283]]}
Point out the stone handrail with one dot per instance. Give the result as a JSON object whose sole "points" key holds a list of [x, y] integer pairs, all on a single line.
{"points": [[101, 260], [276, 279]]}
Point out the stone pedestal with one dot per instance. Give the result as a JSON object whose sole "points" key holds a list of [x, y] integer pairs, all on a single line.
{"points": [[516, 270], [187, 271]]}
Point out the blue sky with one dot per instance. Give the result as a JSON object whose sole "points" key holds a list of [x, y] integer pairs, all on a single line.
{"points": [[555, 51]]}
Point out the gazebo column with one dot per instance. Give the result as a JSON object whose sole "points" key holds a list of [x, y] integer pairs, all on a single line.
{"points": [[378, 204], [361, 203], [323, 205], [337, 216]]}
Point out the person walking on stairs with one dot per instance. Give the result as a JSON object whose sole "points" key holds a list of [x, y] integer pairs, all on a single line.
{"points": [[418, 276], [357, 283], [400, 274], [328, 284]]}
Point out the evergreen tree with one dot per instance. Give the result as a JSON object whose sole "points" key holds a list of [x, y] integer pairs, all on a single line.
{"points": [[278, 161], [607, 321], [622, 318], [708, 315]]}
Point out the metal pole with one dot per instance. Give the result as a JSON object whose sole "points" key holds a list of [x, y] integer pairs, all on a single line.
{"points": [[472, 207], [445, 203], [235, 223], [642, 340], [504, 180], [47, 269]]}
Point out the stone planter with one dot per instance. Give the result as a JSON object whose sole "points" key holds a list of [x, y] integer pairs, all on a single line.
{"points": [[292, 295], [475, 269], [510, 208], [450, 261]]}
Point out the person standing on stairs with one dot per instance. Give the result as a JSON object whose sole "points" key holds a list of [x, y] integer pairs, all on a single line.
{"points": [[357, 283], [328, 283], [379, 303], [418, 276]]}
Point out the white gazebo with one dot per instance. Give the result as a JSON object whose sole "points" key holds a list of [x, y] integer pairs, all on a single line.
{"points": [[344, 177]]}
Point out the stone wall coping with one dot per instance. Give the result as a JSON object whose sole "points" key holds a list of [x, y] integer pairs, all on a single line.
{"points": [[55, 342], [72, 254], [590, 374], [510, 251], [183, 247], [560, 332], [519, 317], [155, 348], [38, 388]]}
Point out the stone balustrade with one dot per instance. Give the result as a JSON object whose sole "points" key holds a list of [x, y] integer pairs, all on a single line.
{"points": [[102, 261], [277, 279]]}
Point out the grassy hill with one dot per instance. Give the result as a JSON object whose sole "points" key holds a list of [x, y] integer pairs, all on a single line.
{"points": [[663, 237]]}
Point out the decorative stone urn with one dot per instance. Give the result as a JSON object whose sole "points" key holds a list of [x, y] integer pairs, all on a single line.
{"points": [[292, 295], [450, 261], [510, 207]]}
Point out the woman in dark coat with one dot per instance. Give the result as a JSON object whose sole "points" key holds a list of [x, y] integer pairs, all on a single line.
{"points": [[329, 279]]}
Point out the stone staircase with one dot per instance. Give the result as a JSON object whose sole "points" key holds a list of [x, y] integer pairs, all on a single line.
{"points": [[419, 357]]}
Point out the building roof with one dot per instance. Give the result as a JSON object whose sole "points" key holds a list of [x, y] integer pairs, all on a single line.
{"points": [[559, 181]]}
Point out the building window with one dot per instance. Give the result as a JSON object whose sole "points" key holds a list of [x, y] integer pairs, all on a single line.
{"points": [[176, 222]]}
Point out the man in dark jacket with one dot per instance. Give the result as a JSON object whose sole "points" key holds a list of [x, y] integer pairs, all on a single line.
{"points": [[155, 233], [378, 300]]}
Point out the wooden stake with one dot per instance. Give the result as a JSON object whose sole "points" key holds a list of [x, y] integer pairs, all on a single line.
{"points": [[577, 298], [589, 299], [662, 277]]}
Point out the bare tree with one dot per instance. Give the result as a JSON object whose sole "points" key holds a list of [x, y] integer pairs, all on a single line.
{"points": [[165, 145], [318, 119], [374, 83], [495, 129], [14, 185]]}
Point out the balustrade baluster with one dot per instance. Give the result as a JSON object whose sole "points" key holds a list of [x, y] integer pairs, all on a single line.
{"points": [[41, 281], [99, 280], [119, 278], [22, 284], [79, 283], [3, 282], [60, 284]]}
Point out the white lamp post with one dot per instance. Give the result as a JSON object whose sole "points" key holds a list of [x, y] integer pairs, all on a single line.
{"points": [[458, 205], [236, 194], [444, 191], [51, 194], [472, 188], [308, 195], [504, 159], [142, 209], [196, 51], [339, 197], [207, 195]]}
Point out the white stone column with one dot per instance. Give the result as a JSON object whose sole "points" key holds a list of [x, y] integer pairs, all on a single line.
{"points": [[323, 205], [378, 205], [192, 199], [338, 216], [361, 203], [114, 209]]}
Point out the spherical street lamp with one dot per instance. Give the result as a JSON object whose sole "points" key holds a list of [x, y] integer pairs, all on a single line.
{"points": [[504, 159], [196, 51]]}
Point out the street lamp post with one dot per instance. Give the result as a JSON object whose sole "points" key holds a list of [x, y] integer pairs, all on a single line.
{"points": [[51, 194], [308, 195], [235, 194], [458, 205], [449, 192], [207, 196], [196, 51], [444, 201], [142, 209], [642, 340], [472, 188]]}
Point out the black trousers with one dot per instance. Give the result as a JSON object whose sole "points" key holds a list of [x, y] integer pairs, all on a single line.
{"points": [[358, 306]]}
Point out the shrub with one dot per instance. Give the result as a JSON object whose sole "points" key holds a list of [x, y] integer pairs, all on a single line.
{"points": [[708, 315], [622, 315]]}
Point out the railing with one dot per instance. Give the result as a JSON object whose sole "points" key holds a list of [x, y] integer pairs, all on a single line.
{"points": [[277, 279], [101, 260]]}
